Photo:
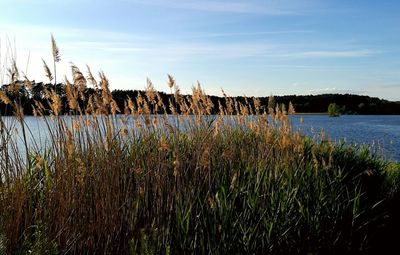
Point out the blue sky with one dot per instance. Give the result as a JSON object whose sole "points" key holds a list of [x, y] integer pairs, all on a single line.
{"points": [[248, 47]]}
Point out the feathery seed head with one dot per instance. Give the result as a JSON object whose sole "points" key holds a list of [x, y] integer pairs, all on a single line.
{"points": [[114, 107], [90, 78], [55, 50], [55, 103], [47, 71], [150, 91], [291, 109], [79, 80], [171, 81], [72, 95], [105, 90]]}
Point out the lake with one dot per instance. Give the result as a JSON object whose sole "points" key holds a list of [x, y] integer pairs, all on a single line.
{"points": [[382, 133]]}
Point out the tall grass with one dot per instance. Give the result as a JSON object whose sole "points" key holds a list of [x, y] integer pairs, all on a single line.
{"points": [[142, 182]]}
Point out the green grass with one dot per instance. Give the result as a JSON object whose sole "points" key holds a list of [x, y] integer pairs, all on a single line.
{"points": [[238, 190], [241, 182]]}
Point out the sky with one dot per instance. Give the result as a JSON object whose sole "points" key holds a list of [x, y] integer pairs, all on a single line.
{"points": [[245, 47]]}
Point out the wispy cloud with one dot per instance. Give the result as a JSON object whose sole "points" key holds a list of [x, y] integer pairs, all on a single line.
{"points": [[307, 67], [282, 7], [332, 54], [270, 7], [123, 47], [240, 34], [180, 50], [228, 50], [142, 48]]}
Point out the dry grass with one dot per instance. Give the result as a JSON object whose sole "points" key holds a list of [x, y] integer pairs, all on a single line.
{"points": [[240, 181]]}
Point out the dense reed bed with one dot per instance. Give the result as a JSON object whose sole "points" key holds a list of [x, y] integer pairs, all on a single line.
{"points": [[146, 182]]}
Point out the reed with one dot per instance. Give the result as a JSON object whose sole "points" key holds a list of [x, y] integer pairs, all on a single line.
{"points": [[147, 182]]}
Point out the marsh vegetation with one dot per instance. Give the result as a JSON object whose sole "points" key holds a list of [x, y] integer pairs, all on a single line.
{"points": [[241, 181]]}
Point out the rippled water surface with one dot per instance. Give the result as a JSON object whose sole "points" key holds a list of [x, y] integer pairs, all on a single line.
{"points": [[382, 133]]}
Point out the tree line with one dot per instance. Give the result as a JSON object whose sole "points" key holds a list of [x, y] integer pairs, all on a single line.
{"points": [[29, 93]]}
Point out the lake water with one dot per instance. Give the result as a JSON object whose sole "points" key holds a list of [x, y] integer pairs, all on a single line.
{"points": [[382, 133]]}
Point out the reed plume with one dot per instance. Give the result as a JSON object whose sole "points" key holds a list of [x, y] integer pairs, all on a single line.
{"points": [[182, 177], [56, 56]]}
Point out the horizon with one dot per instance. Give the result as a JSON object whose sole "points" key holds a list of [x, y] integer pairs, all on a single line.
{"points": [[252, 48], [221, 94]]}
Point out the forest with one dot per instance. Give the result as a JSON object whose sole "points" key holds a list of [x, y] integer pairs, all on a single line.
{"points": [[31, 93]]}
